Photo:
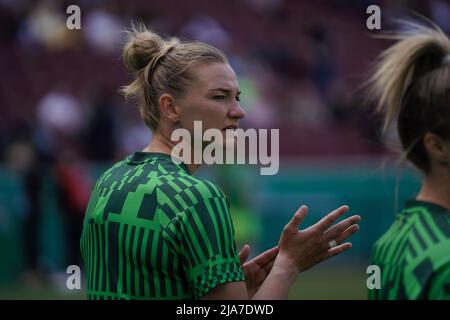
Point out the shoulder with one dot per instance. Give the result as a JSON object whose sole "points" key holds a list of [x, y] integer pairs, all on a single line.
{"points": [[433, 217], [207, 189], [195, 207], [432, 227], [113, 173], [185, 193], [430, 238], [196, 189]]}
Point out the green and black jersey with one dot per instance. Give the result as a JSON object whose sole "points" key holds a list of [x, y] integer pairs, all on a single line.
{"points": [[153, 231], [414, 254]]}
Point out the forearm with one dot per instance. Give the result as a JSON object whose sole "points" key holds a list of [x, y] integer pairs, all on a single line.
{"points": [[278, 283]]}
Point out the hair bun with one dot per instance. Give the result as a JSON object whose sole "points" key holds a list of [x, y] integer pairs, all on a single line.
{"points": [[142, 46]]}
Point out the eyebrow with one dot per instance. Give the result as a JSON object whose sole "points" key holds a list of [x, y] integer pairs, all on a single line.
{"points": [[227, 91]]}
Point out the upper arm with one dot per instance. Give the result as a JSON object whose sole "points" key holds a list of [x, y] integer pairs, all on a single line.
{"points": [[206, 243], [228, 291]]}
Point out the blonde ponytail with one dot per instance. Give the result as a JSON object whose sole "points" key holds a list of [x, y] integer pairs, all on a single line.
{"points": [[410, 84]]}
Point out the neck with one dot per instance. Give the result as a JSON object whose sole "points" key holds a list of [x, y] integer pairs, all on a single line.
{"points": [[161, 144], [436, 188]]}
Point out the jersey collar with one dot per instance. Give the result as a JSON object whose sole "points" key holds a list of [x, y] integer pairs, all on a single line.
{"points": [[433, 207], [141, 157]]}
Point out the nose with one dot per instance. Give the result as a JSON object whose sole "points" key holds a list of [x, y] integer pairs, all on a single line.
{"points": [[236, 112]]}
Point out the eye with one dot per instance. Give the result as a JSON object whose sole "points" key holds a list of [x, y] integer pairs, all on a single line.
{"points": [[238, 98], [219, 97]]}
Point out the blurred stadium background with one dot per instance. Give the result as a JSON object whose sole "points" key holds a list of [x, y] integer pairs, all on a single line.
{"points": [[299, 65]]}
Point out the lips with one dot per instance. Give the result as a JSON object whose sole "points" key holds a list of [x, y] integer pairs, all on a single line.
{"points": [[232, 127]]}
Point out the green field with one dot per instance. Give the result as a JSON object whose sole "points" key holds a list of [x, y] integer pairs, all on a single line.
{"points": [[320, 283]]}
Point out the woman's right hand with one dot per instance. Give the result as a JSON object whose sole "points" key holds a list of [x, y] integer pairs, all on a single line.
{"points": [[300, 250]]}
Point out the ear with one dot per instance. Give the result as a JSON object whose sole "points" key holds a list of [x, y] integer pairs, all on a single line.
{"points": [[167, 108], [436, 147]]}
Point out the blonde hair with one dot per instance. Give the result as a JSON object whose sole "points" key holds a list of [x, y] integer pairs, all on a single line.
{"points": [[161, 66], [411, 86]]}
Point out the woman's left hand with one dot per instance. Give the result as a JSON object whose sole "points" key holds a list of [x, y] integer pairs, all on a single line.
{"points": [[257, 269]]}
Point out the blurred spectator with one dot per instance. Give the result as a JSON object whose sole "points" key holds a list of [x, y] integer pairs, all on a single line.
{"points": [[22, 158], [60, 111], [74, 185], [46, 25], [59, 122], [100, 133], [306, 106], [134, 136], [103, 31], [206, 29], [322, 69]]}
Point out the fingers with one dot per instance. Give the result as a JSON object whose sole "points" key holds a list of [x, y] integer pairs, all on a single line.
{"points": [[244, 253], [297, 219], [335, 251], [338, 250], [335, 231], [330, 218], [266, 256], [347, 233]]}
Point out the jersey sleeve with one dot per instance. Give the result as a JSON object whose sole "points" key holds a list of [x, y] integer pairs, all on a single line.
{"points": [[205, 239]]}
